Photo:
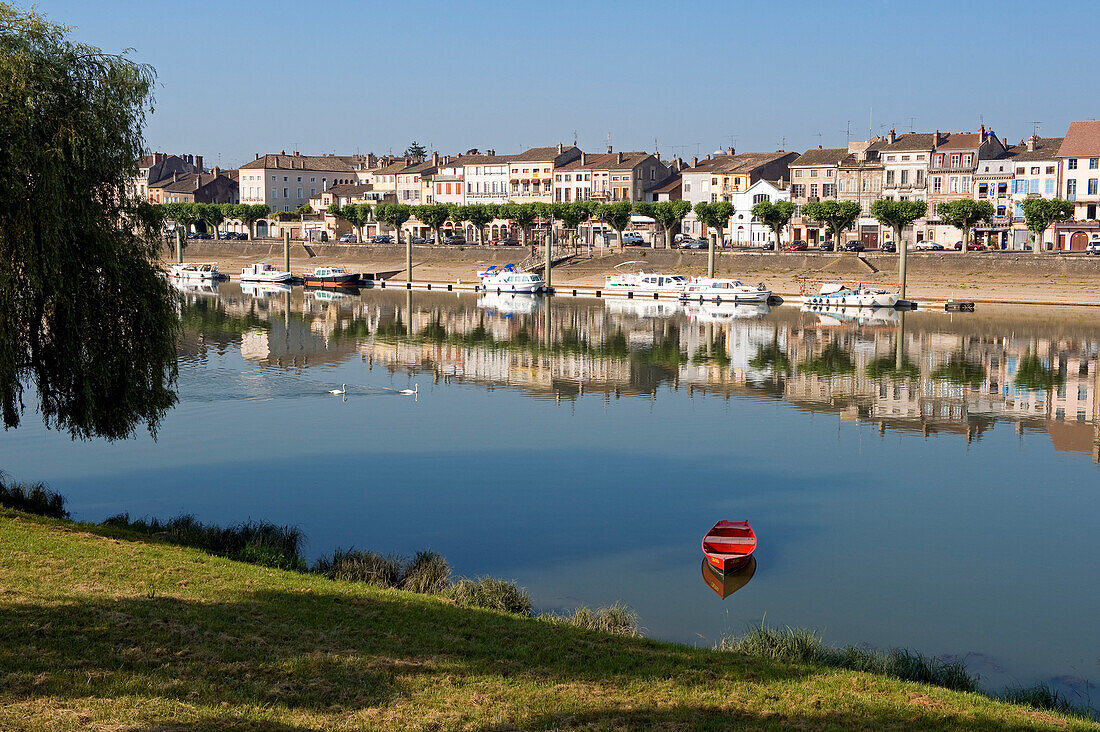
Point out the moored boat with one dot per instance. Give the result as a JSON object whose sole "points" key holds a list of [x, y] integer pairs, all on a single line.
{"points": [[509, 279], [729, 545], [723, 290], [839, 293], [262, 272], [644, 281], [201, 271], [332, 276]]}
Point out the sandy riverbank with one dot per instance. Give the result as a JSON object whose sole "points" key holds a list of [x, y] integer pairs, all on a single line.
{"points": [[1010, 278]]}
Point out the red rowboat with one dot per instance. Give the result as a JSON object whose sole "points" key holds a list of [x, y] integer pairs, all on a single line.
{"points": [[725, 584], [729, 545]]}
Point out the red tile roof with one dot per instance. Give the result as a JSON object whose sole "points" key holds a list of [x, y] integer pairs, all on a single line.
{"points": [[1082, 139]]}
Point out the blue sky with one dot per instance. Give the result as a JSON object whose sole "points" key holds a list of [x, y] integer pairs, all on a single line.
{"points": [[238, 77]]}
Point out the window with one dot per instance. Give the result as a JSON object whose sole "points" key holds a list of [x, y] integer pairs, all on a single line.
{"points": [[968, 160], [889, 177], [953, 184], [1049, 188], [937, 184], [905, 177], [299, 193], [798, 190], [1018, 211], [284, 179], [828, 190], [1092, 186], [798, 174], [890, 158], [840, 186], [1071, 189], [687, 186], [760, 197], [1071, 164], [312, 180], [1035, 170], [937, 160], [714, 181], [904, 158], [983, 190], [274, 192], [813, 173], [1033, 186], [813, 190], [1094, 163], [299, 179], [955, 160], [920, 177]]}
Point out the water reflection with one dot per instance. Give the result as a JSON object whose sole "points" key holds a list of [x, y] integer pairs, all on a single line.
{"points": [[725, 584], [915, 372]]}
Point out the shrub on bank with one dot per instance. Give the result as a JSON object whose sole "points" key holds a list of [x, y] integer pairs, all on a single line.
{"points": [[427, 573], [35, 498], [1042, 696], [257, 542], [618, 619], [799, 645], [491, 593], [353, 565]]}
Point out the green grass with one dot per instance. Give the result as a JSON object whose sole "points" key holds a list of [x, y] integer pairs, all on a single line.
{"points": [[103, 632]]}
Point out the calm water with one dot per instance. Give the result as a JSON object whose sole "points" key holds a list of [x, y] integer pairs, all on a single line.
{"points": [[583, 447]]}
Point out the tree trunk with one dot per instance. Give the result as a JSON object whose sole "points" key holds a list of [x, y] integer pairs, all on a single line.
{"points": [[901, 260]]}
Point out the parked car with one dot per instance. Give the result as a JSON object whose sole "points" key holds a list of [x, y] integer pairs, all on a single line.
{"points": [[632, 239], [508, 242], [348, 239], [679, 238], [888, 246], [769, 246], [971, 247], [418, 240], [454, 239], [382, 239], [854, 246], [1093, 247], [695, 244], [826, 246], [797, 246]]}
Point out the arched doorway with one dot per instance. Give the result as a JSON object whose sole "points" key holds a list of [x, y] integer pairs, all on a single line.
{"points": [[1079, 241], [261, 229]]}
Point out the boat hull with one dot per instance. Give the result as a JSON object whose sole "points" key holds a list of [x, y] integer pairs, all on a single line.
{"points": [[860, 300], [725, 584], [726, 296], [729, 545], [348, 279], [267, 279]]}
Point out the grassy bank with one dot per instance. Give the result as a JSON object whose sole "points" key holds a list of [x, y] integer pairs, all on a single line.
{"points": [[102, 632]]}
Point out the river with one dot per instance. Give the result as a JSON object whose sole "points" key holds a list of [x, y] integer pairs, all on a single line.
{"points": [[924, 480]]}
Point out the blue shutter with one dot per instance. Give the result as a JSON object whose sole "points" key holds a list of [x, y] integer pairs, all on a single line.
{"points": [[1034, 187], [1018, 211], [1050, 186]]}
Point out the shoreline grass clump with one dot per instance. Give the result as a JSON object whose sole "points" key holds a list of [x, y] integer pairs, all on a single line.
{"points": [[617, 618], [255, 542], [800, 645], [427, 573], [1044, 697], [34, 498], [492, 594]]}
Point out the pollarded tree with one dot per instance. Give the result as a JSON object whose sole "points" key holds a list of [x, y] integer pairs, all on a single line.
{"points": [[775, 215], [87, 317], [647, 209], [249, 214], [227, 209], [1042, 213], [433, 215], [212, 215], [480, 215], [573, 214], [836, 215], [187, 215], [523, 215], [897, 215], [715, 216], [618, 215], [963, 214]]}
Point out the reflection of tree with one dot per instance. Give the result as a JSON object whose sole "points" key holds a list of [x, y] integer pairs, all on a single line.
{"points": [[393, 328], [667, 353], [1032, 374], [770, 357], [886, 368], [717, 355], [434, 331], [209, 318], [958, 370], [355, 330], [832, 360]]}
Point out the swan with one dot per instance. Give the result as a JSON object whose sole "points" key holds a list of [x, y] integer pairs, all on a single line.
{"points": [[414, 390], [342, 390]]}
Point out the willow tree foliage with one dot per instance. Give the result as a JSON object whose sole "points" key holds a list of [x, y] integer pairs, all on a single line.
{"points": [[87, 323]]}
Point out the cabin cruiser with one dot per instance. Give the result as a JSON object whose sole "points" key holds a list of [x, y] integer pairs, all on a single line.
{"points": [[508, 304], [261, 272], [643, 308], [201, 271], [839, 293], [644, 281], [836, 315], [332, 276], [723, 290], [508, 279]]}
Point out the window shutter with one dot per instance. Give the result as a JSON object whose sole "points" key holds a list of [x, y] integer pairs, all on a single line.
{"points": [[1034, 187]]}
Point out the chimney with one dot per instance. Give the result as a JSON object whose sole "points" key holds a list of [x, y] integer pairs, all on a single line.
{"points": [[694, 161], [1031, 144], [559, 148], [708, 156], [584, 158], [175, 175], [491, 152], [198, 181], [198, 163], [893, 136], [435, 158], [936, 138], [215, 171], [819, 147], [282, 152], [296, 153], [1004, 141], [729, 151], [619, 158], [257, 157], [983, 130]]}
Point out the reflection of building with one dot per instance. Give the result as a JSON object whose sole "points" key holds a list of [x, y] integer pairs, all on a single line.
{"points": [[953, 378]]}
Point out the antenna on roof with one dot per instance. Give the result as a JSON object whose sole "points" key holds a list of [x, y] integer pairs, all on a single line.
{"points": [[609, 142], [574, 138], [781, 143], [911, 121], [848, 131], [733, 139], [1036, 127], [818, 136]]}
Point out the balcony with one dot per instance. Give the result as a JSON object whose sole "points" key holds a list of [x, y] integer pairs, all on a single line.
{"points": [[599, 195]]}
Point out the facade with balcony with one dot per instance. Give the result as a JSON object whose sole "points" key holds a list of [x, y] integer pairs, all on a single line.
{"points": [[1079, 158], [721, 177], [905, 160], [954, 162], [813, 178], [859, 179], [622, 176], [531, 173]]}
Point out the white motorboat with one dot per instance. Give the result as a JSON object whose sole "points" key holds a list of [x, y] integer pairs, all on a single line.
{"points": [[643, 308], [838, 315], [644, 281], [508, 279], [838, 293], [199, 271], [723, 312], [723, 290], [196, 287], [261, 272]]}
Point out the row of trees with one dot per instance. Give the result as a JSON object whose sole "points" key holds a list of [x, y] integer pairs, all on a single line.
{"points": [[667, 214], [214, 214]]}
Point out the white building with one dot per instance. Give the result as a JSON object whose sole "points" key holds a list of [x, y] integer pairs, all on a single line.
{"points": [[286, 182], [746, 230]]}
